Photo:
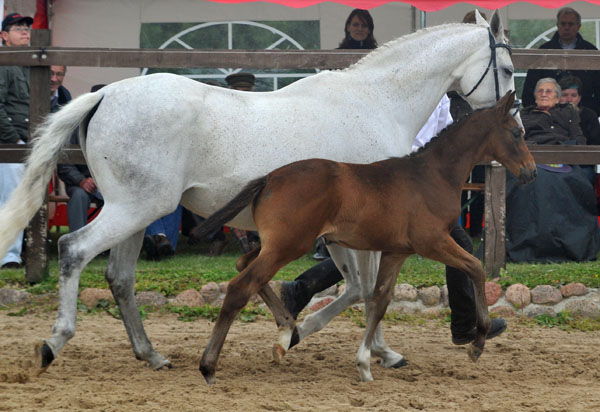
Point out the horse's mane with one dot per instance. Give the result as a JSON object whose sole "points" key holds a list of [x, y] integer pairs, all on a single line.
{"points": [[445, 132], [405, 39]]}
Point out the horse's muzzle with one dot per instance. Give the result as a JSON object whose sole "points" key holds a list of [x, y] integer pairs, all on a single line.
{"points": [[527, 175]]}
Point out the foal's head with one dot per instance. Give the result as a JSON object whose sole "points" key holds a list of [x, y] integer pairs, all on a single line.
{"points": [[505, 141]]}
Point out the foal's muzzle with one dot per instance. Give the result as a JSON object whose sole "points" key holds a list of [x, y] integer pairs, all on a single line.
{"points": [[527, 175]]}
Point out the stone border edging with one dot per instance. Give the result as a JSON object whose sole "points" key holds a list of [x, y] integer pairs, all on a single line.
{"points": [[517, 299]]}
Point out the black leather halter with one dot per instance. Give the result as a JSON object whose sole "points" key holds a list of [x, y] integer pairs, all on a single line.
{"points": [[492, 63]]}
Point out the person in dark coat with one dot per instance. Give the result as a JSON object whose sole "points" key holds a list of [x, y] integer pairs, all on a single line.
{"points": [[553, 219], [79, 183], [568, 22], [551, 122], [14, 119]]}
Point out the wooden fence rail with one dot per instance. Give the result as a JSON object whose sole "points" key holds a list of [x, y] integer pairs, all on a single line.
{"points": [[39, 58]]}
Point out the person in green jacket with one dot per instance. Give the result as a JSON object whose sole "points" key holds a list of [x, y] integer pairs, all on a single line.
{"points": [[14, 117]]}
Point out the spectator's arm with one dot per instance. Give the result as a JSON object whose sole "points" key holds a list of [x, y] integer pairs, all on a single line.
{"points": [[8, 133], [575, 128], [70, 174]]}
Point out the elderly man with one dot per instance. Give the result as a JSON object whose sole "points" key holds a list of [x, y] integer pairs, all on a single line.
{"points": [[568, 23], [14, 117]]}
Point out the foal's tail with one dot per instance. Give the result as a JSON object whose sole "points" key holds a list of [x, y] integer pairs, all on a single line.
{"points": [[48, 139], [229, 211]]}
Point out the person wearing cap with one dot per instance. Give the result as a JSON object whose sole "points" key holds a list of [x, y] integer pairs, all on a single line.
{"points": [[14, 117], [241, 81]]}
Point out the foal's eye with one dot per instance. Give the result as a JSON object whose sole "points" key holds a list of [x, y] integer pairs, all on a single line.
{"points": [[516, 132]]}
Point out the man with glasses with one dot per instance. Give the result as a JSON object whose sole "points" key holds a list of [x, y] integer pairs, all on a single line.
{"points": [[568, 23], [14, 117]]}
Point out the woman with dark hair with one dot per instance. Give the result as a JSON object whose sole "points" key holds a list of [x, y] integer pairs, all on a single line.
{"points": [[359, 35], [359, 31]]}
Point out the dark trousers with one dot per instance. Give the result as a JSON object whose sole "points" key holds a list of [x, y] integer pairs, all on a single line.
{"points": [[461, 295], [78, 205], [476, 204]]}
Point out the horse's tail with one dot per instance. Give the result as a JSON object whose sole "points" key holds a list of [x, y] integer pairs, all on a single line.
{"points": [[48, 139], [229, 211]]}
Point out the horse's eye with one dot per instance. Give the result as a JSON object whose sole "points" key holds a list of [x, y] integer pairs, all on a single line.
{"points": [[516, 132], [508, 72]]}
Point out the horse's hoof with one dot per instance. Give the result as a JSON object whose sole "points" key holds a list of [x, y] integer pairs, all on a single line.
{"points": [[42, 357], [401, 363], [474, 353], [166, 364], [278, 353]]}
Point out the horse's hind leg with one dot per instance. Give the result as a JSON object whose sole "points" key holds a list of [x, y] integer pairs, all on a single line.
{"points": [[377, 305], [76, 249], [120, 275]]}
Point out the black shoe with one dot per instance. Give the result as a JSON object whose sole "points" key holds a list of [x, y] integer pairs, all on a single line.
{"points": [[496, 328], [149, 247], [12, 265], [217, 247], [164, 248]]}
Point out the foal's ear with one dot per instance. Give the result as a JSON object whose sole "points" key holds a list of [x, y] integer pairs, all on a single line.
{"points": [[507, 102], [496, 25]]}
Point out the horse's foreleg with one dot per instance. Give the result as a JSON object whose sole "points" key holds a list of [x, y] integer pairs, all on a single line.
{"points": [[352, 265], [120, 275], [249, 282], [389, 267]]}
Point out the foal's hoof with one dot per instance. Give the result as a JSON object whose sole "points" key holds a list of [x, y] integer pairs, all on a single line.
{"points": [[209, 375], [474, 352], [278, 353]]}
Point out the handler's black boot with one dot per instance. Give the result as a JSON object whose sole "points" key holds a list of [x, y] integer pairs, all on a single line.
{"points": [[497, 327], [298, 293], [461, 298]]}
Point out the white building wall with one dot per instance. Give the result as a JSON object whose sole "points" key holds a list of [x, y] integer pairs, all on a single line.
{"points": [[116, 23]]}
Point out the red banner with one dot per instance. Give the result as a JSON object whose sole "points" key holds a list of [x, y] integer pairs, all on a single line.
{"points": [[425, 5]]}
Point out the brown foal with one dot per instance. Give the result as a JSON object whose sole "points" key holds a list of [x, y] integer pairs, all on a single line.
{"points": [[398, 206]]}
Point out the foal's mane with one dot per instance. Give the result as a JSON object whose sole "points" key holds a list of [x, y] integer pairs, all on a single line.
{"points": [[447, 131], [405, 39]]}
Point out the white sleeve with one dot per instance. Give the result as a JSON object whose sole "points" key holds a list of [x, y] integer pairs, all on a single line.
{"points": [[439, 119]]}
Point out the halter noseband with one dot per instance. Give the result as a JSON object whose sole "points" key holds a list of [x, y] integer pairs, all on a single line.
{"points": [[492, 63]]}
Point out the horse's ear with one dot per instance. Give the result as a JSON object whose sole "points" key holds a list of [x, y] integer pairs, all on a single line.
{"points": [[480, 20], [496, 25]]}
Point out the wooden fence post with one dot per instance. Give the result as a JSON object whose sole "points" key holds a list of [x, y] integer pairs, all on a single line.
{"points": [[495, 215], [36, 254]]}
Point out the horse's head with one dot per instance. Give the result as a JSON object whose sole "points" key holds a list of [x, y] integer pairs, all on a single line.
{"points": [[506, 141], [488, 73]]}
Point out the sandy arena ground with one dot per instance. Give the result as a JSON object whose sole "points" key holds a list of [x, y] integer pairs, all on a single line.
{"points": [[526, 369]]}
